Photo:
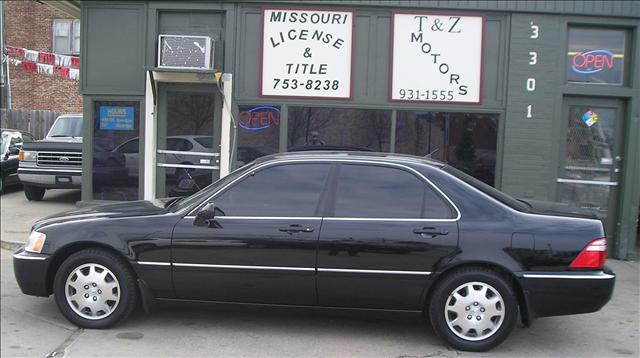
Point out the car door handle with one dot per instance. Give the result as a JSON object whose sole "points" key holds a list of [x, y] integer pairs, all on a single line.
{"points": [[295, 228], [430, 231]]}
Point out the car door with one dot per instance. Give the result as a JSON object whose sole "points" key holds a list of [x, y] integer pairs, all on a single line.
{"points": [[262, 246], [386, 230]]}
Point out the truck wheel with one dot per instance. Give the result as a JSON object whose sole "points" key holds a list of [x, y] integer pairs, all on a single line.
{"points": [[33, 193]]}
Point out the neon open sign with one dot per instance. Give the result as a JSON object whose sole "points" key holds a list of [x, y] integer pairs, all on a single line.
{"points": [[592, 61], [259, 118]]}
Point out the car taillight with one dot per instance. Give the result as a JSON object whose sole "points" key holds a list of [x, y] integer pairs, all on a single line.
{"points": [[592, 256], [21, 155]]}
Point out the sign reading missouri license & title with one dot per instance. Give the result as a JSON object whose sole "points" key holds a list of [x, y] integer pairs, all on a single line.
{"points": [[307, 53], [436, 58]]}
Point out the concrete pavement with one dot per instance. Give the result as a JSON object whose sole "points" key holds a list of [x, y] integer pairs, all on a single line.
{"points": [[33, 327]]}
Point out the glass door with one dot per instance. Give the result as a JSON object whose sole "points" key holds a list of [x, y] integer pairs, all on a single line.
{"points": [[591, 157], [187, 156]]}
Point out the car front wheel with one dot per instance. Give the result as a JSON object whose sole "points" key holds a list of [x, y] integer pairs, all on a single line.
{"points": [[473, 309], [95, 289]]}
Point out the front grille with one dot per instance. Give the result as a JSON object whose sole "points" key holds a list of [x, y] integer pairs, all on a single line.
{"points": [[59, 159]]}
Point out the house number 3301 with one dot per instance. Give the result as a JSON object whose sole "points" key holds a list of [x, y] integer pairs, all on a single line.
{"points": [[533, 60]]}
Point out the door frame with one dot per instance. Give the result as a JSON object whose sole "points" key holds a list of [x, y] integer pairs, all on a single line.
{"points": [[561, 127]]}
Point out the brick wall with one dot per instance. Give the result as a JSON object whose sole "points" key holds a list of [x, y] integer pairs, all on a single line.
{"points": [[29, 24]]}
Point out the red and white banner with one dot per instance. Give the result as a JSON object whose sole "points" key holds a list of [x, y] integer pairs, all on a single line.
{"points": [[45, 62]]}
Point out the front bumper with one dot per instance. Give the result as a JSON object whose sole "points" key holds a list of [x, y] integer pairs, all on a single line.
{"points": [[564, 293], [50, 178], [31, 272]]}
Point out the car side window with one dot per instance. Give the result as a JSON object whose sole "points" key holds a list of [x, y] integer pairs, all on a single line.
{"points": [[289, 190], [369, 191], [28, 138]]}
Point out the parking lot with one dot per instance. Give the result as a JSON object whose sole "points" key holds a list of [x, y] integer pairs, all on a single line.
{"points": [[33, 326]]}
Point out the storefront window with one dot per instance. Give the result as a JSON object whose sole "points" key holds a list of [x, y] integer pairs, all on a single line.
{"points": [[596, 56], [116, 129], [338, 129], [467, 141], [258, 132]]}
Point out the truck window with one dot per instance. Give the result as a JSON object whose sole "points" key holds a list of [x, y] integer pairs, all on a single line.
{"points": [[67, 127]]}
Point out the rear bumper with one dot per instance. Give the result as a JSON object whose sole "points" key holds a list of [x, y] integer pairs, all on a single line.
{"points": [[564, 293], [31, 272]]}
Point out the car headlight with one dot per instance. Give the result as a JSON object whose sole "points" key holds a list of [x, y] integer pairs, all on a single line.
{"points": [[27, 156], [35, 242]]}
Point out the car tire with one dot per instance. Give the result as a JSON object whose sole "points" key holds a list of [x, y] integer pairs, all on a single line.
{"points": [[473, 309], [33, 193], [95, 288]]}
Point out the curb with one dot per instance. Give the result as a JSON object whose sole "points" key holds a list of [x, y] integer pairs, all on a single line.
{"points": [[11, 245]]}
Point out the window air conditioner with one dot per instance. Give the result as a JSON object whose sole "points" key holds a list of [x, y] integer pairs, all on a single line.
{"points": [[182, 51]]}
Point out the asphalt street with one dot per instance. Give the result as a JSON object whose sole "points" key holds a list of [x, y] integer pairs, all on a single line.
{"points": [[32, 326]]}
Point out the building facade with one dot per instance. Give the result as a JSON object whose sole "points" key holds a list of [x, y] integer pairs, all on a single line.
{"points": [[537, 98], [38, 28]]}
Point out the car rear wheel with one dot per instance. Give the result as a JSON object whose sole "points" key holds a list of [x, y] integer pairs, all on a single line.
{"points": [[33, 193], [95, 289], [473, 309]]}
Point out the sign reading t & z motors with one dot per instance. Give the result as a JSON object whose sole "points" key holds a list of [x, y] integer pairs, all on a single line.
{"points": [[436, 58], [307, 53]]}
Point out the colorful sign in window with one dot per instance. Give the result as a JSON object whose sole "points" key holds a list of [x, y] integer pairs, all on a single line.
{"points": [[596, 56]]}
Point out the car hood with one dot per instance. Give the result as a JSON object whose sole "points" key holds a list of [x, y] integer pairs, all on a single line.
{"points": [[126, 209], [62, 139], [559, 209]]}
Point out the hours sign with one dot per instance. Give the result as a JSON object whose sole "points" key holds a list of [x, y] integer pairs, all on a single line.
{"points": [[436, 58], [307, 53]]}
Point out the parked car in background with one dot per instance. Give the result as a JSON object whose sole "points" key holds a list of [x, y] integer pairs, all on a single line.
{"points": [[180, 143], [55, 161], [347, 230], [10, 144]]}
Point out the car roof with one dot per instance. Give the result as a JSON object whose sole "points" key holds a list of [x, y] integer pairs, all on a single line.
{"points": [[364, 156]]}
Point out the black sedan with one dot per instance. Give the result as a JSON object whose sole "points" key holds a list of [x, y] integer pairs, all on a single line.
{"points": [[342, 230]]}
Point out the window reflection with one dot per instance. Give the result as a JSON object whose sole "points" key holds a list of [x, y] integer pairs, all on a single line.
{"points": [[338, 129], [467, 141], [115, 123], [258, 132]]}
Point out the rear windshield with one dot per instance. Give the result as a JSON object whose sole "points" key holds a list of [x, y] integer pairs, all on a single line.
{"points": [[488, 189], [67, 127]]}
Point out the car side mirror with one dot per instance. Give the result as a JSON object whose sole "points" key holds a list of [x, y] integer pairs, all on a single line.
{"points": [[207, 216]]}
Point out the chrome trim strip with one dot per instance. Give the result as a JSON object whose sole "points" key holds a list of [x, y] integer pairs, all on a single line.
{"points": [[190, 166], [57, 169], [384, 272], [264, 217], [243, 267], [592, 182], [23, 256], [335, 160], [154, 263], [179, 152], [50, 152], [597, 276], [328, 218]]}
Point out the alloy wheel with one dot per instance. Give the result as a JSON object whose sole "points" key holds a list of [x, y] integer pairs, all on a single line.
{"points": [[474, 311], [92, 291]]}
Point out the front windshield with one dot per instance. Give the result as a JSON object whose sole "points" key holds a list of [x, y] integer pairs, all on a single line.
{"points": [[67, 127], [207, 191], [488, 189]]}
